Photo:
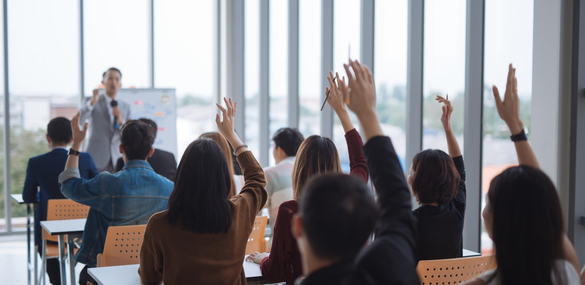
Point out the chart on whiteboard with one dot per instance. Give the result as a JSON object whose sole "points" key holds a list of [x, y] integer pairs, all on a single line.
{"points": [[159, 105]]}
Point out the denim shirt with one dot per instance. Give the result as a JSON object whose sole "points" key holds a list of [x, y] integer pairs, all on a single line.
{"points": [[127, 197]]}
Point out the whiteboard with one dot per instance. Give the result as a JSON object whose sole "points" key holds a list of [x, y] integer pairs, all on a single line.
{"points": [[159, 105]]}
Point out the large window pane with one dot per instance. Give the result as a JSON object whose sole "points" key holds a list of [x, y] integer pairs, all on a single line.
{"points": [[444, 69], [390, 70], [184, 61], [117, 33], [508, 39], [309, 67], [278, 67], [346, 43], [44, 57], [252, 76]]}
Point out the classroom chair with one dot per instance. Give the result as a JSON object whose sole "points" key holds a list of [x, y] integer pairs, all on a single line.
{"points": [[59, 209], [256, 240], [122, 246], [453, 271]]}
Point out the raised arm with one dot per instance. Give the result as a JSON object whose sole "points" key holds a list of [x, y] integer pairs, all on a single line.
{"points": [[454, 150], [357, 161], [509, 111]]}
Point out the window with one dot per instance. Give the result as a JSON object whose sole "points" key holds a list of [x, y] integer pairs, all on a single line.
{"points": [[252, 76], [390, 70], [444, 69], [44, 62], [346, 42], [309, 67], [183, 55], [278, 66], [508, 39], [117, 33]]}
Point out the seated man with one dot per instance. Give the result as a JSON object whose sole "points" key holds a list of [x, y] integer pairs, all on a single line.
{"points": [[337, 212], [278, 180], [128, 197], [163, 162], [43, 172]]}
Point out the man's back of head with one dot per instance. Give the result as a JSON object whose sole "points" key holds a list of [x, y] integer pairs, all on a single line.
{"points": [[288, 139], [137, 138], [151, 123], [59, 130], [338, 214]]}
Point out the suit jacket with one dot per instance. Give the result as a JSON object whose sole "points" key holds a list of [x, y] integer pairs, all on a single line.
{"points": [[43, 171], [163, 163], [103, 139]]}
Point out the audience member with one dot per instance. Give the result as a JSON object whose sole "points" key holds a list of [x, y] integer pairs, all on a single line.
{"points": [[162, 162], [316, 155], [106, 115], [337, 213], [235, 180], [202, 237], [523, 214], [286, 142], [42, 173], [128, 197], [437, 181]]}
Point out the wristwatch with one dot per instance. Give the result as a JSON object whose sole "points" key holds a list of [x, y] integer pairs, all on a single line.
{"points": [[74, 152], [519, 137]]}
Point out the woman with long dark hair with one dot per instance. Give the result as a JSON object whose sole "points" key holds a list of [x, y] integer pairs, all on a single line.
{"points": [[437, 180], [523, 214], [316, 155], [202, 237], [235, 183]]}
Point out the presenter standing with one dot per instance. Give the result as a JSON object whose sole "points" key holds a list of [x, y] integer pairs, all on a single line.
{"points": [[106, 116]]}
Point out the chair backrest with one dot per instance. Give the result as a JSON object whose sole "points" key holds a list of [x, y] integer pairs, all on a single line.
{"points": [[453, 271], [64, 209], [256, 240], [122, 246]]}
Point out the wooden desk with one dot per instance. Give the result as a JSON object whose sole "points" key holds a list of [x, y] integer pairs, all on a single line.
{"points": [[67, 230], [128, 274], [30, 267], [469, 253]]}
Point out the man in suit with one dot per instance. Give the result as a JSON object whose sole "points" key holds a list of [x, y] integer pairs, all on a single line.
{"points": [[43, 172], [161, 161], [106, 116]]}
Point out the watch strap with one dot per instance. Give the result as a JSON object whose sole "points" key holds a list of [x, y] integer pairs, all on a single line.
{"points": [[74, 152], [519, 137]]}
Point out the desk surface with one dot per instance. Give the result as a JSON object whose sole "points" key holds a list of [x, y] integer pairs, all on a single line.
{"points": [[64, 226], [469, 253], [128, 274], [17, 198]]}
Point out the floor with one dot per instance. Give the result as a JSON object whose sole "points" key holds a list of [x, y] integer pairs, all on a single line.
{"points": [[13, 260]]}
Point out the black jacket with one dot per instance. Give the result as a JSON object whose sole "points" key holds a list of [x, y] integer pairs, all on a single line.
{"points": [[163, 163], [391, 257]]}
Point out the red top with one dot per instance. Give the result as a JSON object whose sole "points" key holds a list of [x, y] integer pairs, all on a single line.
{"points": [[284, 261]]}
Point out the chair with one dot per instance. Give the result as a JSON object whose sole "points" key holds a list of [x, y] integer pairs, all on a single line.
{"points": [[59, 209], [122, 246], [453, 271], [256, 240]]}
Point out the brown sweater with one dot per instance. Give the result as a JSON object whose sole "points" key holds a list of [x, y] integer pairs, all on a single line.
{"points": [[175, 256]]}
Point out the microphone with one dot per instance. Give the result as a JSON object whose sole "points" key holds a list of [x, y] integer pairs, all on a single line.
{"points": [[114, 103]]}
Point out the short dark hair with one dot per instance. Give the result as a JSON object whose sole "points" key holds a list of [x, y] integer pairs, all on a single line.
{"points": [[527, 214], [202, 185], [150, 123], [59, 130], [289, 139], [435, 177], [111, 69], [338, 212], [137, 139]]}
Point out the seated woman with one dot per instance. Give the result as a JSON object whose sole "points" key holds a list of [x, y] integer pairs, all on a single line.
{"points": [[202, 237], [523, 214], [437, 181], [316, 155], [235, 180]]}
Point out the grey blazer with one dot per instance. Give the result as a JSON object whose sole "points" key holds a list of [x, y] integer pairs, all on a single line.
{"points": [[102, 141]]}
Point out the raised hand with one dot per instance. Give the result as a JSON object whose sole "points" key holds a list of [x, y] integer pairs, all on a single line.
{"points": [[447, 109], [509, 108], [361, 96], [78, 133], [226, 125], [337, 94]]}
